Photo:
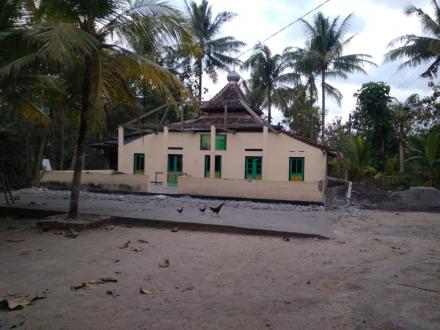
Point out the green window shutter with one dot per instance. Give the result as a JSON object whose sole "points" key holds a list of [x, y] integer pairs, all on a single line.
{"points": [[175, 165], [138, 164], [207, 165], [253, 168], [296, 169], [220, 142], [205, 141], [218, 167]]}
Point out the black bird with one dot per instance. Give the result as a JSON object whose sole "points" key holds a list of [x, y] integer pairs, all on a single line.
{"points": [[216, 209], [202, 209], [180, 210]]}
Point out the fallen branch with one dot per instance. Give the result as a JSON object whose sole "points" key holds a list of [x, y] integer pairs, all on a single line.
{"points": [[419, 288]]}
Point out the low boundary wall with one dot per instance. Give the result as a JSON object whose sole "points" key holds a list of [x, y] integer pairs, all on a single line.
{"points": [[108, 180], [255, 189]]}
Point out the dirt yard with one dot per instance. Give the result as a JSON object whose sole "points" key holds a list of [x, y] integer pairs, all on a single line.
{"points": [[381, 271]]}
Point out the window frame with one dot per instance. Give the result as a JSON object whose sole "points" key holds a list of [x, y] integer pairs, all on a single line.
{"points": [[217, 169], [255, 175], [136, 162], [217, 136], [295, 173], [208, 146]]}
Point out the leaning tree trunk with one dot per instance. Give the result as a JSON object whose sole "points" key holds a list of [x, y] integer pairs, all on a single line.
{"points": [[81, 144], [37, 173], [323, 106]]}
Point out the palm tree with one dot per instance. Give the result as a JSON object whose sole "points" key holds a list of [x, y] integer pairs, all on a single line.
{"points": [[76, 37], [325, 48], [403, 113], [420, 49], [357, 159], [426, 151], [211, 52], [267, 76]]}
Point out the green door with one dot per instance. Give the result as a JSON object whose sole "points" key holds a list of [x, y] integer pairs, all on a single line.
{"points": [[218, 166], [296, 169], [253, 168], [174, 168], [139, 164]]}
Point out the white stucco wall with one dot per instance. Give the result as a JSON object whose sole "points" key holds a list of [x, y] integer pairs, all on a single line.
{"points": [[279, 147], [272, 190], [101, 179]]}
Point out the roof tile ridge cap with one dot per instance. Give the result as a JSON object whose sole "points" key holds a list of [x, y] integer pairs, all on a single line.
{"points": [[184, 121], [216, 96]]}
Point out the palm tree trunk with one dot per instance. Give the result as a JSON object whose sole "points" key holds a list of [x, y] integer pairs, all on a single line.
{"points": [[37, 174], [269, 105], [323, 105], [401, 156], [200, 80], [81, 145], [28, 158], [62, 141], [431, 175]]}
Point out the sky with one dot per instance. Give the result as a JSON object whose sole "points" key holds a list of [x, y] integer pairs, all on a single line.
{"points": [[375, 23]]}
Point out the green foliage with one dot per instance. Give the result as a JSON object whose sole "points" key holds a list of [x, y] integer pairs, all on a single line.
{"points": [[300, 115], [210, 51], [268, 78], [426, 151], [420, 49], [325, 54], [373, 118]]}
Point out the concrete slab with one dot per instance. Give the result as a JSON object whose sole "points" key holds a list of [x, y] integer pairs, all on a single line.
{"points": [[285, 218]]}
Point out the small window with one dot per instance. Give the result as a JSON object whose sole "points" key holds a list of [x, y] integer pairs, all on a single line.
{"points": [[218, 166], [205, 142], [253, 168], [220, 142], [296, 169], [139, 164]]}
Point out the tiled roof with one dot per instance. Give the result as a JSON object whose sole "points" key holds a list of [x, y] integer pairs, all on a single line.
{"points": [[231, 95], [237, 121]]}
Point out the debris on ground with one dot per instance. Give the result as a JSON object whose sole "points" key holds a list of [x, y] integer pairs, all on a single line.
{"points": [[142, 241], [71, 233], [25, 253], [13, 302], [190, 288], [368, 196], [145, 291], [175, 230], [92, 284], [164, 263], [125, 245], [286, 239], [136, 249], [15, 240]]}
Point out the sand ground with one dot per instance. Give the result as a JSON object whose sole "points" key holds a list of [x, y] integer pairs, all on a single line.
{"points": [[380, 271]]}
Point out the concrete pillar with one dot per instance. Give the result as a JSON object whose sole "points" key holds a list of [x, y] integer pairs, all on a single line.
{"points": [[212, 153], [265, 152], [165, 159], [120, 148]]}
